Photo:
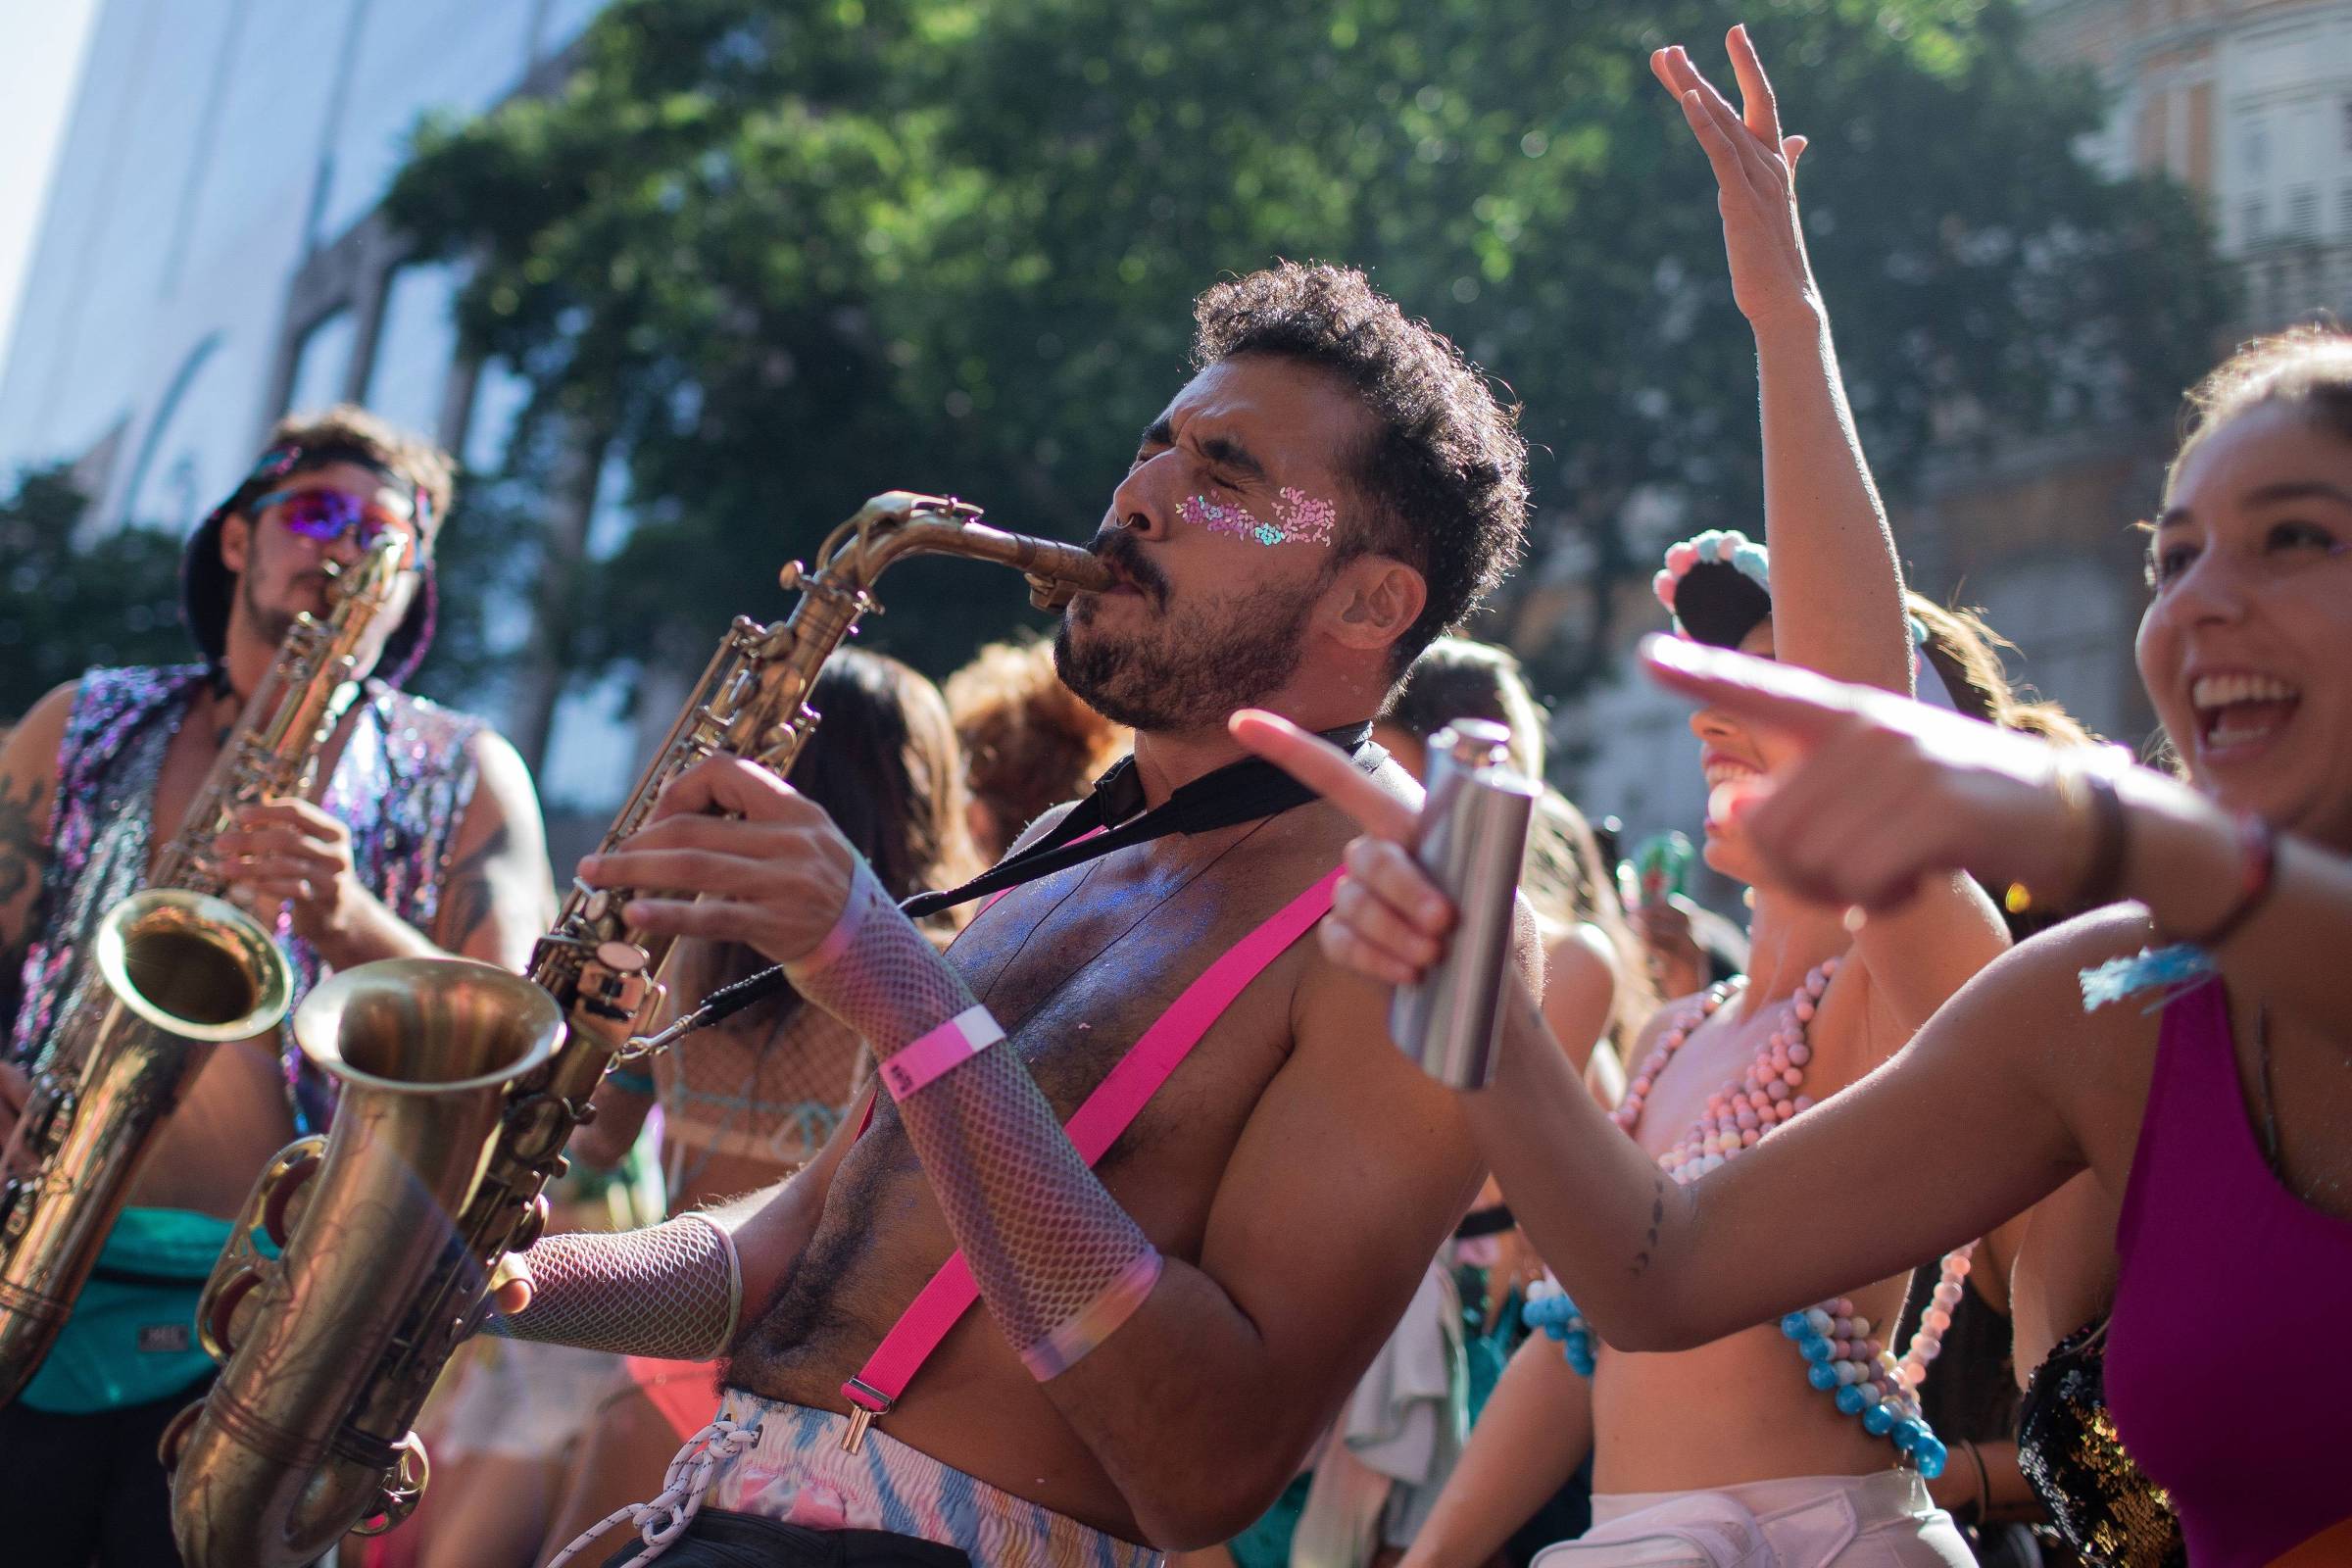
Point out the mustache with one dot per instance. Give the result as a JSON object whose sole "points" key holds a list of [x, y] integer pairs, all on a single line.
{"points": [[1117, 548]]}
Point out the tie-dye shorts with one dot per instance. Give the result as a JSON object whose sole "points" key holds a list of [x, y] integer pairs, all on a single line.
{"points": [[798, 1472]]}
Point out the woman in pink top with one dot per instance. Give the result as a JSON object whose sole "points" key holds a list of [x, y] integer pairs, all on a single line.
{"points": [[2214, 1103]]}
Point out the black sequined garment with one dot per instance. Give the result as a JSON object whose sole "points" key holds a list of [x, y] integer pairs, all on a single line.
{"points": [[2067, 1445]]}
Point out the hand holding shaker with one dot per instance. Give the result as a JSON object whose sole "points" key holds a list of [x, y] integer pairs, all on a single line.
{"points": [[1473, 838]]}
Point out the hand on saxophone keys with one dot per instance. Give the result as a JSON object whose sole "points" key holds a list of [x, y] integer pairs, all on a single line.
{"points": [[773, 873], [510, 1285]]}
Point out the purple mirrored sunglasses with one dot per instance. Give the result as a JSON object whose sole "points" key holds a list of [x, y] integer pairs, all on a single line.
{"points": [[328, 514]]}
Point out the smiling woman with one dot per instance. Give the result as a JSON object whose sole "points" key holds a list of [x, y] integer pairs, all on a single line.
{"points": [[2260, 507]]}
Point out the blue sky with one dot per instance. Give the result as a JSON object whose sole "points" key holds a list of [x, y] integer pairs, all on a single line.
{"points": [[41, 45]]}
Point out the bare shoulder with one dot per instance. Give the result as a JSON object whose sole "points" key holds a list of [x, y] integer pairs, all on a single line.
{"points": [[1579, 955], [504, 777], [30, 749], [2022, 1016]]}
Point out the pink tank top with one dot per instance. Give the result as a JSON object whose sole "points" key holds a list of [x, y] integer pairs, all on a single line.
{"points": [[2224, 1366]]}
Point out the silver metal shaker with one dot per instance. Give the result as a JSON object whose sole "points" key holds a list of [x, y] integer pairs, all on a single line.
{"points": [[1473, 837]]}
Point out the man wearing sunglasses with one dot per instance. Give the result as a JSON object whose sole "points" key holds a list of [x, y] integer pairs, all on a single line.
{"points": [[422, 836]]}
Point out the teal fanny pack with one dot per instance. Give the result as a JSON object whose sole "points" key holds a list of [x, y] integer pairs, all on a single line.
{"points": [[132, 1337]]}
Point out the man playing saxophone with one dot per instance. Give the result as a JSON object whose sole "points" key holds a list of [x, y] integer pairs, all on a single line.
{"points": [[1163, 1336], [422, 835]]}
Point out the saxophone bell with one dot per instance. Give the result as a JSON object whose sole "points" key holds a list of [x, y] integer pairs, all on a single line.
{"points": [[175, 972], [425, 1050]]}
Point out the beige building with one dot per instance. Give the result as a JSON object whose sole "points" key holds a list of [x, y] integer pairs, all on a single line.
{"points": [[2248, 102]]}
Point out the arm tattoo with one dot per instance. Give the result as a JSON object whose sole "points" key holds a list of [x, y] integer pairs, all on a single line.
{"points": [[1657, 1215], [22, 852], [469, 898]]}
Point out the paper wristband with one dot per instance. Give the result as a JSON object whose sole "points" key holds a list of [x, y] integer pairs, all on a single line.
{"points": [[942, 1049], [1074, 1339]]}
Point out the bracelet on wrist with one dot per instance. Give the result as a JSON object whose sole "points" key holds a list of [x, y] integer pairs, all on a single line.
{"points": [[2092, 805]]}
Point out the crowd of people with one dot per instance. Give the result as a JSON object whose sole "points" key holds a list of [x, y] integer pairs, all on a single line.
{"points": [[1949, 1211]]}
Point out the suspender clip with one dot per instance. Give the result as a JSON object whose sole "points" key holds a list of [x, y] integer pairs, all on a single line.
{"points": [[865, 1404]]}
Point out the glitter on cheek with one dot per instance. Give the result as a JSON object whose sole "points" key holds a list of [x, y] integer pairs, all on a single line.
{"points": [[1306, 520], [1300, 518]]}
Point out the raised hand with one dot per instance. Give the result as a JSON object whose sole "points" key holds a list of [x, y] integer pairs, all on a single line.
{"points": [[1883, 791], [774, 872], [1755, 178]]}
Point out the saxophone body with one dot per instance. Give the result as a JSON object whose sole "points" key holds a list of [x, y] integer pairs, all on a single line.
{"points": [[332, 1347], [177, 968]]}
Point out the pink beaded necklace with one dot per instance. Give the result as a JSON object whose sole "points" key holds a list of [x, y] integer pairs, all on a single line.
{"points": [[1843, 1355]]}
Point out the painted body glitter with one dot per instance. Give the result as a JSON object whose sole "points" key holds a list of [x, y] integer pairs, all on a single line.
{"points": [[1299, 518]]}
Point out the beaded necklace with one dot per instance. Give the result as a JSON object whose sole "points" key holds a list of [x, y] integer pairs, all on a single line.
{"points": [[1842, 1356]]}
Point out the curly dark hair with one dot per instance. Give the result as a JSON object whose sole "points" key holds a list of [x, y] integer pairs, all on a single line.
{"points": [[1444, 475]]}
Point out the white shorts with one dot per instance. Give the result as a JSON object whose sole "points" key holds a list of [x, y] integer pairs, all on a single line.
{"points": [[1880, 1520]]}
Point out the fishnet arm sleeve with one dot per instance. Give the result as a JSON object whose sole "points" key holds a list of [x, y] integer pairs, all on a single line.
{"points": [[671, 1291], [1058, 1264]]}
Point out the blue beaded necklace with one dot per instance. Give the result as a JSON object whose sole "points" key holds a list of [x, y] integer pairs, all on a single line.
{"points": [[1843, 1357]]}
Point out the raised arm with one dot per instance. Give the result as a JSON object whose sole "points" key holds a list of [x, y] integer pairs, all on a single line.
{"points": [[1837, 585], [1837, 589]]}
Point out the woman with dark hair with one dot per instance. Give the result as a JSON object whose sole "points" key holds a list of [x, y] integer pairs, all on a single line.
{"points": [[748, 1101]]}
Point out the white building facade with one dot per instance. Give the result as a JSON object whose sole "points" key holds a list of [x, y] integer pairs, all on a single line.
{"points": [[204, 262], [210, 258]]}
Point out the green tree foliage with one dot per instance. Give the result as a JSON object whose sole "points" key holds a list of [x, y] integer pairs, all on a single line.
{"points": [[786, 255], [68, 605]]}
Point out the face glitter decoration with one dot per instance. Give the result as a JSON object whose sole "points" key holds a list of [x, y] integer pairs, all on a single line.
{"points": [[1299, 518]]}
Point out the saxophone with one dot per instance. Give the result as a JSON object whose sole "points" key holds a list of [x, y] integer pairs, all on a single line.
{"points": [[177, 968], [456, 1104]]}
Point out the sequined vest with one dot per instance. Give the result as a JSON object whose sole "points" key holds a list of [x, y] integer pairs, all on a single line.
{"points": [[404, 779]]}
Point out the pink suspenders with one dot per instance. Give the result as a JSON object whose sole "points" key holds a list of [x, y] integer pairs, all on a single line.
{"points": [[1094, 1127]]}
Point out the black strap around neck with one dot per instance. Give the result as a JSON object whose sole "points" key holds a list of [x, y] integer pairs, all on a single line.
{"points": [[1240, 792]]}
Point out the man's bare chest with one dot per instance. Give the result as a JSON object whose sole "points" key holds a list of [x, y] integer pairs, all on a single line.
{"points": [[193, 755], [1079, 974]]}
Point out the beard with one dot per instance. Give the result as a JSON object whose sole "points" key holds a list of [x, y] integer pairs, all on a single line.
{"points": [[270, 623], [1191, 667]]}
